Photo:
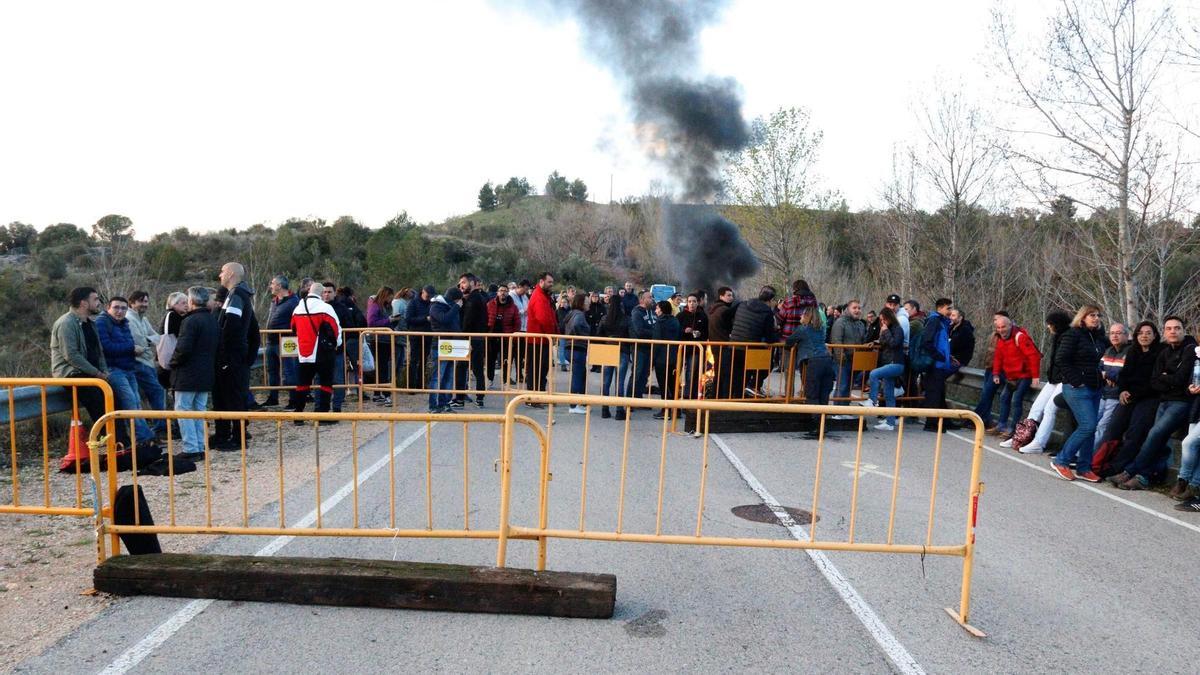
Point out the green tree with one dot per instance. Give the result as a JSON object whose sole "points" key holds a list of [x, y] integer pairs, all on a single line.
{"points": [[165, 262], [513, 191], [61, 234], [17, 237], [398, 254], [487, 197], [113, 228], [557, 186], [578, 190]]}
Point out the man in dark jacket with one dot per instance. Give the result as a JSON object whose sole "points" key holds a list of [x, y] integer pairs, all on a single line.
{"points": [[753, 321], [417, 320], [962, 340], [120, 353], [935, 340], [445, 316], [236, 351], [345, 317], [641, 327], [474, 320], [1170, 379], [279, 317], [630, 300], [718, 331], [193, 370]]}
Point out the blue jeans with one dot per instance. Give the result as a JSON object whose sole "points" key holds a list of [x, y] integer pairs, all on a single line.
{"points": [[192, 429], [441, 379], [339, 377], [562, 353], [818, 381], [1108, 406], [125, 391], [579, 369], [1189, 464], [641, 375], [290, 367], [843, 379], [1012, 403], [887, 375], [624, 385], [986, 396], [1084, 403], [156, 396], [1152, 458]]}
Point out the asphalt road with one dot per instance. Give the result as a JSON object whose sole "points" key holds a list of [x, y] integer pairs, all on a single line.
{"points": [[1067, 578]]}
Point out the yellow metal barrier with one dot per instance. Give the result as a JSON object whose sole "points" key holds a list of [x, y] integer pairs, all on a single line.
{"points": [[703, 409], [49, 472], [244, 527], [686, 369], [352, 372]]}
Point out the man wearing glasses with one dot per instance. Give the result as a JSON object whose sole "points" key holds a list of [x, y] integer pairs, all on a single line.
{"points": [[121, 353]]}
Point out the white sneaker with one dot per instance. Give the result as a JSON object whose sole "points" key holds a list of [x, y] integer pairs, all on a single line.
{"points": [[867, 403], [843, 417], [1032, 449], [899, 391], [884, 426], [578, 410], [1006, 444]]}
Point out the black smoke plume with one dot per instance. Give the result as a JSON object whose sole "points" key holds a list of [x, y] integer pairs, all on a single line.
{"points": [[652, 46]]}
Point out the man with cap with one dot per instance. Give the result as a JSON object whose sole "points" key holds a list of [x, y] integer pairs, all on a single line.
{"points": [[893, 303]]}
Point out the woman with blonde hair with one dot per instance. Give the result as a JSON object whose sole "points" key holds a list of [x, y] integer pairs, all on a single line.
{"points": [[1078, 361]]}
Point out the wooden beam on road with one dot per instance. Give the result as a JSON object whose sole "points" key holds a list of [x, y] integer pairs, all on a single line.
{"points": [[360, 583]]}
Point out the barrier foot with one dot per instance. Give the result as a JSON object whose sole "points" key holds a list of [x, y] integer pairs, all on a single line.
{"points": [[966, 626]]}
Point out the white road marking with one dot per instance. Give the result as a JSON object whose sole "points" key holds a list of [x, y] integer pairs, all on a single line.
{"points": [[864, 469], [1083, 484], [138, 652], [879, 631]]}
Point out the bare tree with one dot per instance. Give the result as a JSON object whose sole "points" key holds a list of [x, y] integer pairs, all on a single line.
{"points": [[960, 163], [1092, 91], [902, 221]]}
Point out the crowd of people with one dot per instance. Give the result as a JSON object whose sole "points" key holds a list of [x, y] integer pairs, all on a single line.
{"points": [[1127, 398], [1126, 392]]}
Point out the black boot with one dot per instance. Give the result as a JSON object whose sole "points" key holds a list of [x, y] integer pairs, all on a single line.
{"points": [[620, 414], [604, 413]]}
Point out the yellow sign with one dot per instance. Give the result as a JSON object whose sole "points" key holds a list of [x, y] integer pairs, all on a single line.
{"points": [[289, 347], [453, 350]]}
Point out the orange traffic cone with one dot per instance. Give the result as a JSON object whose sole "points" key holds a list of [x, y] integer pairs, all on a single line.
{"points": [[77, 449]]}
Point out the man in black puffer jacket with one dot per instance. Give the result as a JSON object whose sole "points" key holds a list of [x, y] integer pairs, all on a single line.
{"points": [[1172, 375], [753, 321], [474, 320]]}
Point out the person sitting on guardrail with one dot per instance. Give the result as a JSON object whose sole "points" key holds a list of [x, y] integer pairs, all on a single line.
{"points": [[1187, 487], [445, 316], [1044, 410], [891, 366], [193, 370], [962, 339], [146, 363], [1171, 380], [847, 329], [1111, 364], [120, 353], [1015, 365], [1137, 402], [318, 337], [75, 351]]}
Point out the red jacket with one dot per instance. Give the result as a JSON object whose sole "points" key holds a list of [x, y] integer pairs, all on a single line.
{"points": [[540, 315], [1016, 358], [507, 315], [306, 323]]}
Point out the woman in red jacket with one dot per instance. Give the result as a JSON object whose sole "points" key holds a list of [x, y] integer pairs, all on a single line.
{"points": [[503, 319]]}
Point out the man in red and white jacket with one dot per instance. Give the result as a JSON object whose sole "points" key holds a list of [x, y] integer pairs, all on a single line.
{"points": [[310, 314]]}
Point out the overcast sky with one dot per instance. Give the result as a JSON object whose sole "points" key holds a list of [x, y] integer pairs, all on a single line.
{"points": [[222, 114]]}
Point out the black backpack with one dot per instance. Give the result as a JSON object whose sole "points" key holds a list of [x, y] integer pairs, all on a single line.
{"points": [[326, 339]]}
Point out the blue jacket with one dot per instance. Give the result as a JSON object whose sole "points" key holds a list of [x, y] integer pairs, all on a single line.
{"points": [[417, 315], [444, 317], [279, 316], [935, 339], [117, 342], [809, 342]]}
